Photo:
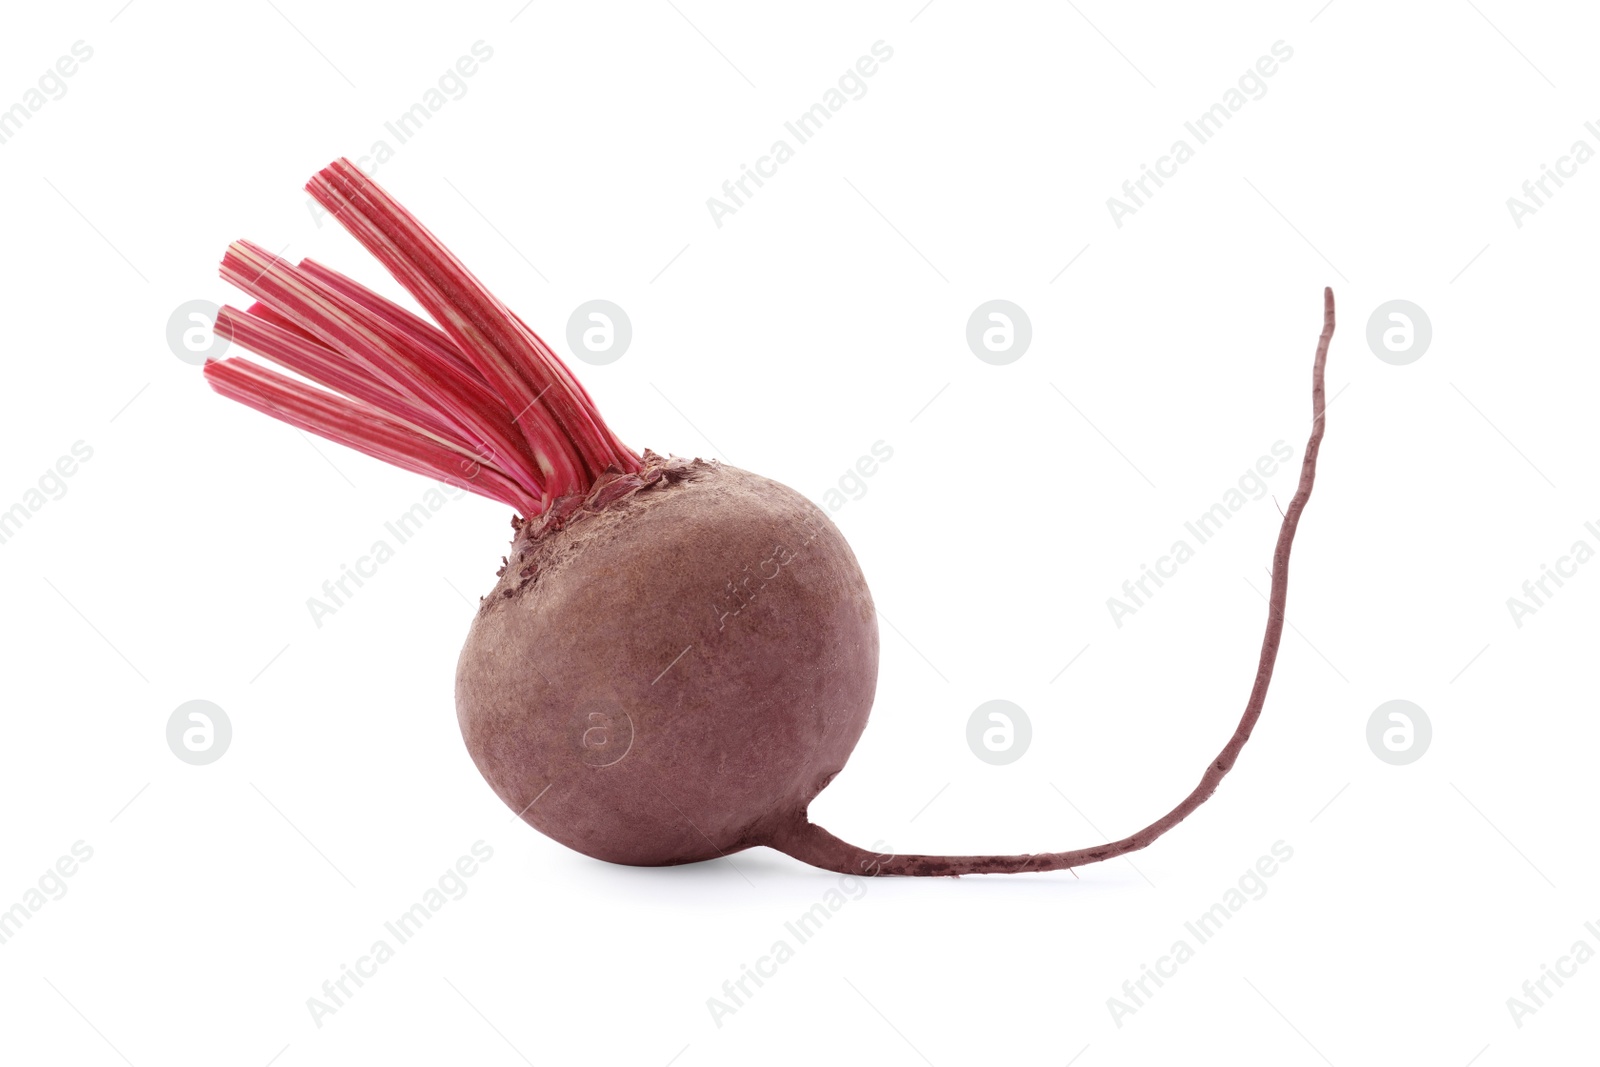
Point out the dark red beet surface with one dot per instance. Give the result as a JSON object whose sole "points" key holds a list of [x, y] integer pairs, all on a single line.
{"points": [[669, 676]]}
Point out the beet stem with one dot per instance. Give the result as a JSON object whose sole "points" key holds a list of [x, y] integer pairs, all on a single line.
{"points": [[805, 841], [477, 400]]}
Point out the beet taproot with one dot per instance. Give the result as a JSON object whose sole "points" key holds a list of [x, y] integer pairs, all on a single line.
{"points": [[679, 670], [678, 655]]}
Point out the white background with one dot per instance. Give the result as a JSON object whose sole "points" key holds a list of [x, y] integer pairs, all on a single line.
{"points": [[822, 317]]}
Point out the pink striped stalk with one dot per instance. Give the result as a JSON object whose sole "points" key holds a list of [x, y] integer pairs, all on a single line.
{"points": [[512, 358], [416, 328], [368, 342], [482, 403], [364, 428], [309, 358]]}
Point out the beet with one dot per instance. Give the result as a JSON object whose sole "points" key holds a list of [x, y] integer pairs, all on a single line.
{"points": [[670, 718], [678, 655]]}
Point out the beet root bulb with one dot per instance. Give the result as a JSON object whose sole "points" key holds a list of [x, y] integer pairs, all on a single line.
{"points": [[672, 676]]}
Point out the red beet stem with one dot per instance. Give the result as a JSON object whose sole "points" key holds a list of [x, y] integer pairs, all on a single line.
{"points": [[513, 359], [289, 347], [482, 402], [350, 422], [382, 353], [806, 841], [415, 328]]}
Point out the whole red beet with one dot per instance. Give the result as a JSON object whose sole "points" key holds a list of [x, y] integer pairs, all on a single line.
{"points": [[679, 655], [668, 676]]}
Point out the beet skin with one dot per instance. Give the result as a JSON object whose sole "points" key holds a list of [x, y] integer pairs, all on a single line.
{"points": [[670, 674]]}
